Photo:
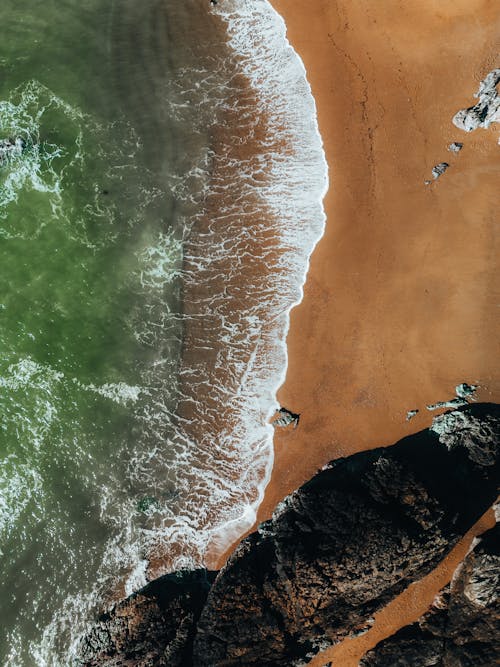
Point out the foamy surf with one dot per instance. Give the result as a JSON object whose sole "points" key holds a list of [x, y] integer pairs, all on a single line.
{"points": [[295, 183], [182, 469]]}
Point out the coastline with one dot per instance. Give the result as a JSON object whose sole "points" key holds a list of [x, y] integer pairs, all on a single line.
{"points": [[244, 266], [398, 307]]}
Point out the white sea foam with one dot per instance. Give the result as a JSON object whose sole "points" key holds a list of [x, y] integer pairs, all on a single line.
{"points": [[204, 456], [120, 392], [293, 189]]}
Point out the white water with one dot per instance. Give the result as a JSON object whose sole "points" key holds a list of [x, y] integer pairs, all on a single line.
{"points": [[298, 182], [217, 481]]}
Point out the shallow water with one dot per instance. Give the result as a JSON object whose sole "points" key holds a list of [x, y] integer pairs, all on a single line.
{"points": [[154, 235]]}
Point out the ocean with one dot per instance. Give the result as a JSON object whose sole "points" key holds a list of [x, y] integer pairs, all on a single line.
{"points": [[155, 231]]}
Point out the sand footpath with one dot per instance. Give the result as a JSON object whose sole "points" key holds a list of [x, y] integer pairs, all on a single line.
{"points": [[400, 303]]}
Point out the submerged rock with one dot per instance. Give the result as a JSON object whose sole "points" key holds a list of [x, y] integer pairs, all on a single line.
{"points": [[347, 542], [462, 627], [11, 148], [152, 627], [487, 110]]}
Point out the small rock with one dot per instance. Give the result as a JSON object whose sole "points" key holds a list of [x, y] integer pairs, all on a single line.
{"points": [[286, 417], [455, 147], [439, 169], [10, 148], [410, 414]]}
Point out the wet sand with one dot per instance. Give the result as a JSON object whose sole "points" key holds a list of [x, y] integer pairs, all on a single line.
{"points": [[399, 304]]}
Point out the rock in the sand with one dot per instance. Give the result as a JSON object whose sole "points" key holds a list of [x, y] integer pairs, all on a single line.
{"points": [[462, 627], [152, 627], [465, 430], [439, 169], [487, 110], [410, 414], [455, 147], [286, 417], [463, 392], [452, 403], [349, 541]]}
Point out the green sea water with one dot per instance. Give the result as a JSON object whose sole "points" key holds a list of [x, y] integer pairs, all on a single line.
{"points": [[93, 215], [154, 234]]}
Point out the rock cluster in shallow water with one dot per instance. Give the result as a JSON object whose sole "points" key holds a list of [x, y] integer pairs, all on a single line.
{"points": [[334, 553]]}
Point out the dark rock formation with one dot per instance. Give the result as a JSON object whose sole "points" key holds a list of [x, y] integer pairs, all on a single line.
{"points": [[348, 542], [410, 414], [487, 110], [439, 169], [466, 390], [152, 627], [452, 403], [335, 552], [462, 627], [463, 392], [285, 417]]}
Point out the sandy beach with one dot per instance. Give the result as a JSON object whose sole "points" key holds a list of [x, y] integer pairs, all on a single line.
{"points": [[399, 304]]}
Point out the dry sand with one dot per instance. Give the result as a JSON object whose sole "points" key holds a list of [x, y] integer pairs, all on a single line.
{"points": [[399, 304]]}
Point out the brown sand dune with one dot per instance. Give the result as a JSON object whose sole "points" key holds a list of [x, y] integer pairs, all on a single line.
{"points": [[400, 302]]}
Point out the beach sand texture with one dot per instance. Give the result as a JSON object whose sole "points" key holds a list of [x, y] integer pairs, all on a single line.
{"points": [[400, 303]]}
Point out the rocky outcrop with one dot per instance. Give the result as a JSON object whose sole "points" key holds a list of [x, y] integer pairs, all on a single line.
{"points": [[286, 417], [410, 414], [462, 627], [455, 147], [346, 543], [487, 110], [334, 553], [439, 169], [464, 392], [152, 627]]}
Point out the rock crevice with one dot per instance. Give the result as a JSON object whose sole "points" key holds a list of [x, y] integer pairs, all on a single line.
{"points": [[334, 553]]}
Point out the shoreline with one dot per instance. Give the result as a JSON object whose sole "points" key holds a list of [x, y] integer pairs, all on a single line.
{"points": [[270, 21], [397, 308], [244, 267]]}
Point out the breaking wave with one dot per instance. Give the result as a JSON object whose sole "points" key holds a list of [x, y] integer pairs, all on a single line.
{"points": [[168, 454]]}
